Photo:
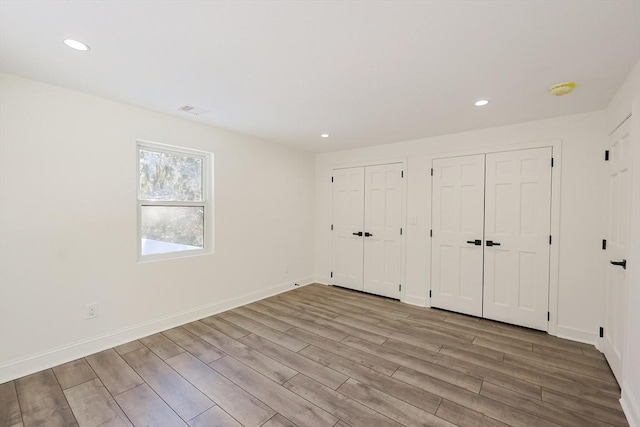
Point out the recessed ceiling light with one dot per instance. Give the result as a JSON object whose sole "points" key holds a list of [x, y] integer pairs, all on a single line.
{"points": [[324, 135], [481, 102], [74, 44]]}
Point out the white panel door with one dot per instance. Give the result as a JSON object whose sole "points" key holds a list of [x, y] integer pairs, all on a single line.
{"points": [[458, 222], [383, 222], [348, 227], [619, 218], [517, 229]]}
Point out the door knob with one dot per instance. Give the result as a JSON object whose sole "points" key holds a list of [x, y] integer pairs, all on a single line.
{"points": [[492, 243], [359, 233], [622, 263], [476, 242], [367, 234]]}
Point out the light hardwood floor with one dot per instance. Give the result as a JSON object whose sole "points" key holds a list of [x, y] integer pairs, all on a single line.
{"points": [[325, 356]]}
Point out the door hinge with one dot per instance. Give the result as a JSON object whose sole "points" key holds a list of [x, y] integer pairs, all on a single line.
{"points": [[549, 238], [606, 155], [331, 179], [401, 174], [552, 162], [431, 171], [332, 274], [331, 227], [429, 294], [399, 288], [604, 244], [401, 231], [431, 233], [601, 332], [548, 316]]}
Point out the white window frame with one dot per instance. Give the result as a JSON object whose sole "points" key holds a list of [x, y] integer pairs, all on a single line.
{"points": [[206, 203]]}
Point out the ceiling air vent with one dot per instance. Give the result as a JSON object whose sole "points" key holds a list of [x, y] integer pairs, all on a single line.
{"points": [[196, 111]]}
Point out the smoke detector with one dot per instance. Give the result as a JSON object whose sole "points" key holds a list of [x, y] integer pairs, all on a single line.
{"points": [[196, 111], [562, 89]]}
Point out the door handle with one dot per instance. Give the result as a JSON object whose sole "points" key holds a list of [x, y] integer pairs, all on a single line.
{"points": [[492, 243], [367, 234], [476, 242], [359, 233], [622, 263]]}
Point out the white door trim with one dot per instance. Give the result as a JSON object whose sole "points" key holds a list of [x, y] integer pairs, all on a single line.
{"points": [[389, 161], [554, 253]]}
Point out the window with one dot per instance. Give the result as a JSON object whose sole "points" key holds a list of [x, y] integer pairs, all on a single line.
{"points": [[173, 201]]}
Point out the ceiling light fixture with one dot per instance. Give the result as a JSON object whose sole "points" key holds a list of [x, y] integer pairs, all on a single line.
{"points": [[74, 44], [481, 103], [324, 135], [562, 88]]}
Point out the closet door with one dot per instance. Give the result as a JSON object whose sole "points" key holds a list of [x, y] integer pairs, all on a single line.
{"points": [[347, 237], [517, 229], [382, 226], [618, 231], [457, 221]]}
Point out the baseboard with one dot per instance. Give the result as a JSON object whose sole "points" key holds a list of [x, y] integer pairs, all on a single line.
{"points": [[323, 280], [576, 335], [418, 301], [37, 362], [631, 409]]}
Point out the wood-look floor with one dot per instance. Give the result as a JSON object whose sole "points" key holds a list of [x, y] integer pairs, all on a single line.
{"points": [[325, 356]]}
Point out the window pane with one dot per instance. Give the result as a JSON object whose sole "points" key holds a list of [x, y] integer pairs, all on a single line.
{"points": [[172, 229], [170, 177]]}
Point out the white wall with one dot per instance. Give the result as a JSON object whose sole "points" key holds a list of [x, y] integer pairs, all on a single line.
{"points": [[580, 275], [627, 100], [68, 225]]}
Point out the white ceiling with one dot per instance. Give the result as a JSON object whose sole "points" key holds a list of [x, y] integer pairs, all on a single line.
{"points": [[366, 72]]}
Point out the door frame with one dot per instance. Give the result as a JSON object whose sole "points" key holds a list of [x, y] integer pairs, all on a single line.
{"points": [[403, 214], [554, 250]]}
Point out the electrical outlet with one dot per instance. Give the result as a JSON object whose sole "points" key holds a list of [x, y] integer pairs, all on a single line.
{"points": [[92, 311]]}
